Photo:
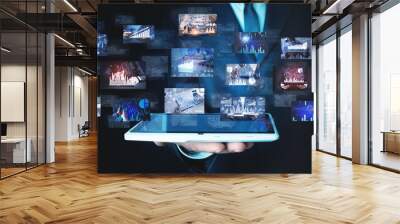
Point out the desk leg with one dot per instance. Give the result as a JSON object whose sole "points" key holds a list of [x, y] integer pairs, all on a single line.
{"points": [[384, 143]]}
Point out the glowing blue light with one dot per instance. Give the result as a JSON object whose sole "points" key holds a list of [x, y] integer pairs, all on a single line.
{"points": [[245, 38], [144, 103]]}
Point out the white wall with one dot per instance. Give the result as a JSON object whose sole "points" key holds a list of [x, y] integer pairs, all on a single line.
{"points": [[14, 73], [61, 103], [81, 105], [17, 73], [71, 102]]}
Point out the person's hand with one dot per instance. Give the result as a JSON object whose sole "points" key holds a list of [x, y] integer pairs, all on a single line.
{"points": [[214, 147]]}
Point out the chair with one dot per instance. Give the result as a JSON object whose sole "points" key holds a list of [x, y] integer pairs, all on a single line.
{"points": [[84, 130]]}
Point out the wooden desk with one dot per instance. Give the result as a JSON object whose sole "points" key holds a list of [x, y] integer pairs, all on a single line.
{"points": [[13, 150], [391, 141]]}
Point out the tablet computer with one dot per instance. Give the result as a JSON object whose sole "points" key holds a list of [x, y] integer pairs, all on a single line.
{"points": [[181, 128]]}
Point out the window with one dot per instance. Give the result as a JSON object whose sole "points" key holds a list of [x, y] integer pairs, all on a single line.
{"points": [[346, 93], [385, 89], [327, 96]]}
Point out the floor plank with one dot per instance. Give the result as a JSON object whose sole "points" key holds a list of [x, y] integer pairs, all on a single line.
{"points": [[71, 191]]}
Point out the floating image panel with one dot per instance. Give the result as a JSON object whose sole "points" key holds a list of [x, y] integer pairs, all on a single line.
{"points": [[192, 62], [251, 42], [102, 42], [293, 76], [197, 24], [184, 100], [131, 110], [303, 111], [242, 108], [296, 48], [242, 74], [137, 33], [123, 74], [122, 112]]}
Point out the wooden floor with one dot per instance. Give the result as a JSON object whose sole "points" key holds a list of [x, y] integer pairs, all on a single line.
{"points": [[71, 191], [5, 172], [386, 159]]}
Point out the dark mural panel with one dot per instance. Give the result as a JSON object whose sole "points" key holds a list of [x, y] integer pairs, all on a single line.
{"points": [[180, 80]]}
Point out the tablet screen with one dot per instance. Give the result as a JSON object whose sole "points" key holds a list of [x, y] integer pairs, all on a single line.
{"points": [[202, 123]]}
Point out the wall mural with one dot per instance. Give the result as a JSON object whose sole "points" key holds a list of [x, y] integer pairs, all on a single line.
{"points": [[205, 88]]}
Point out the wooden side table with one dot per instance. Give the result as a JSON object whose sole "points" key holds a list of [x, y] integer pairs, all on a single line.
{"points": [[391, 141]]}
